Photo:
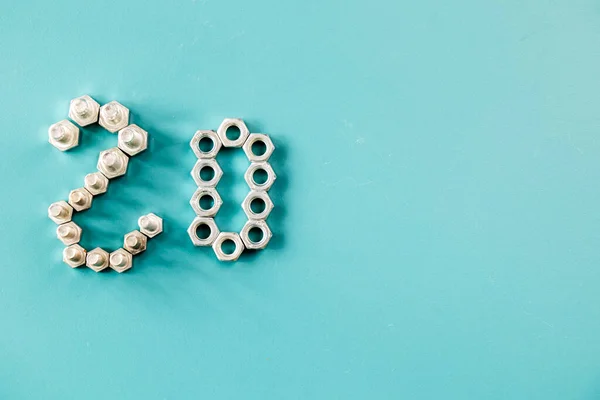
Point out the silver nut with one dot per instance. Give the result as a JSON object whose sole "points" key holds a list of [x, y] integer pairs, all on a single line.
{"points": [[74, 255], [208, 234], [80, 199], [218, 246], [209, 195], [114, 116], [60, 212], [150, 225], [135, 242], [256, 138], [256, 184], [69, 233], [247, 235], [63, 135], [95, 183], [133, 139], [120, 260], [112, 163], [228, 123], [84, 110], [212, 168], [257, 205], [97, 259], [201, 136]]}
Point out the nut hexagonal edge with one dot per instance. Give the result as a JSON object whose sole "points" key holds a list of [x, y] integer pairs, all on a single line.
{"points": [[74, 256], [80, 199], [150, 224], [217, 246], [226, 124], [211, 163], [264, 196], [68, 233], [193, 231], [84, 110], [105, 117], [135, 242], [133, 139], [245, 235], [201, 192], [195, 144], [258, 137], [249, 176], [97, 259], [120, 260], [60, 212]]}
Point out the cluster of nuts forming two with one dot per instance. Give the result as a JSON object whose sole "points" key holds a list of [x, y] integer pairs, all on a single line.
{"points": [[112, 163], [257, 205]]}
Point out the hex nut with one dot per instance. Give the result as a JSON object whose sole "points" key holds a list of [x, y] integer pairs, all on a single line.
{"points": [[80, 199], [135, 242], [262, 243], [114, 116], [84, 110], [207, 163], [63, 135], [120, 260], [112, 163], [95, 183], [97, 259], [193, 231], [150, 225], [60, 212], [228, 123], [74, 255], [69, 233], [255, 138], [199, 194], [252, 169], [133, 139], [195, 144], [218, 246], [247, 205]]}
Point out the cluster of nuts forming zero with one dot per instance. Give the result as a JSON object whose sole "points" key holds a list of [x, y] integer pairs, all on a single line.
{"points": [[112, 163], [206, 200]]}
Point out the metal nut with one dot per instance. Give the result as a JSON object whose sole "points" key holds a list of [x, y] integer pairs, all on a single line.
{"points": [[63, 135], [206, 192], [228, 123], [257, 195], [60, 212], [218, 246], [80, 199], [69, 233], [212, 136], [266, 235], [114, 116], [135, 242], [95, 183], [120, 260], [74, 255], [257, 138], [112, 163], [205, 240], [251, 171], [208, 164], [84, 110], [133, 139], [150, 225], [97, 259]]}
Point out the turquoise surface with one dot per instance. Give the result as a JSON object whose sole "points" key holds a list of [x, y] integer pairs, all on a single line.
{"points": [[437, 204]]}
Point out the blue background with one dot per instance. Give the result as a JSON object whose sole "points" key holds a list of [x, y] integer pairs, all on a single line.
{"points": [[437, 205]]}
